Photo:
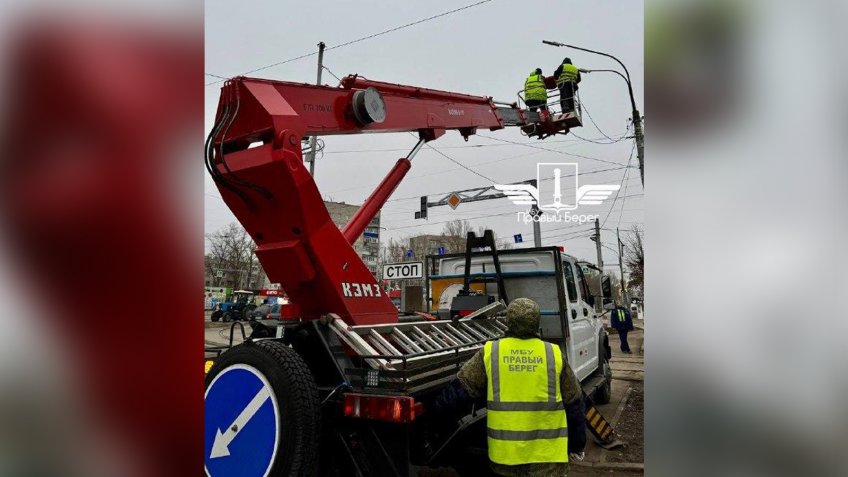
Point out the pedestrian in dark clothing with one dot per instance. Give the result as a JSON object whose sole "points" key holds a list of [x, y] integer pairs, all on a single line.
{"points": [[621, 321], [567, 76]]}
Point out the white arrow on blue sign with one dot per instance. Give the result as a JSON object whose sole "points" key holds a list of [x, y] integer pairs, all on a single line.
{"points": [[241, 428], [517, 238]]}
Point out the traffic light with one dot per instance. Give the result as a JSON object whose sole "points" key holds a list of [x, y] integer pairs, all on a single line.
{"points": [[422, 214]]}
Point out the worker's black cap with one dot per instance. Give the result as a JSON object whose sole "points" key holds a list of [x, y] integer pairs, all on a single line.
{"points": [[567, 60], [538, 71]]}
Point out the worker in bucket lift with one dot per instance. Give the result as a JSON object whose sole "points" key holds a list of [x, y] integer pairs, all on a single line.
{"points": [[535, 411], [535, 92], [567, 76]]}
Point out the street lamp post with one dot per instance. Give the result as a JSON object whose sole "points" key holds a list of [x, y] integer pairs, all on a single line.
{"points": [[637, 117]]}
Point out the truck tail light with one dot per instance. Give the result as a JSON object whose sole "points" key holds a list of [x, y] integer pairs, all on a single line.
{"points": [[290, 311], [399, 409]]}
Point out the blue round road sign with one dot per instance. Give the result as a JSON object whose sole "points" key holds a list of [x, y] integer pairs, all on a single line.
{"points": [[241, 430]]}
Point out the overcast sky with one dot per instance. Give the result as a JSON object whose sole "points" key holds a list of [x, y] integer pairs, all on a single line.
{"points": [[485, 50]]}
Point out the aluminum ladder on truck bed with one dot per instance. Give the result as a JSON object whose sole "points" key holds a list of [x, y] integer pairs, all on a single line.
{"points": [[415, 356]]}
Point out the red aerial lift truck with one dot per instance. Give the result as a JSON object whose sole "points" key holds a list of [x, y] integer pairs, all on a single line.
{"points": [[340, 389]]}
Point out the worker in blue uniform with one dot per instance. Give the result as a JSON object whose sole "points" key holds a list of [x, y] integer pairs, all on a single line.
{"points": [[621, 321]]}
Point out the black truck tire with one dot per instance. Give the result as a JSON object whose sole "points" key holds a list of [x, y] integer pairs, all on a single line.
{"points": [[216, 315], [604, 393], [297, 397], [227, 316]]}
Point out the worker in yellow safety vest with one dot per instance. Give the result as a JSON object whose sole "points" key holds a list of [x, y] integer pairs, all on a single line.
{"points": [[535, 92], [567, 76], [535, 411]]}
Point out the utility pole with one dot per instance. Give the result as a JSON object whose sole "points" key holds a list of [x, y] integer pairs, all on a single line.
{"points": [[599, 301], [640, 142], [313, 141], [621, 268], [537, 226]]}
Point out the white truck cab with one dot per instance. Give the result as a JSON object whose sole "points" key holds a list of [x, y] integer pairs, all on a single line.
{"points": [[549, 277]]}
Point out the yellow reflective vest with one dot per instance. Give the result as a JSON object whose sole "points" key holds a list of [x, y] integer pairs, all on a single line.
{"points": [[534, 88], [569, 73], [526, 421]]}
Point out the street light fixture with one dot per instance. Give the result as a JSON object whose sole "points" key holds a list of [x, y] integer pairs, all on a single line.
{"points": [[637, 117]]}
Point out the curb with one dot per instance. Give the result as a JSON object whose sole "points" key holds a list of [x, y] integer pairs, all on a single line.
{"points": [[628, 378], [638, 466], [620, 407], [614, 421]]}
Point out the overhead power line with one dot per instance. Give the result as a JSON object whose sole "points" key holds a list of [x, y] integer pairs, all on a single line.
{"points": [[331, 73], [469, 146], [583, 105], [367, 37], [623, 178], [624, 199], [620, 166], [554, 150], [456, 162], [512, 212]]}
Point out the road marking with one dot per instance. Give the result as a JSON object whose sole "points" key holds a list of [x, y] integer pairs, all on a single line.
{"points": [[220, 447]]}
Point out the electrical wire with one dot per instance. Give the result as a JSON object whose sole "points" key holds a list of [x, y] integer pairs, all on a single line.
{"points": [[446, 171], [446, 221], [601, 140], [623, 178], [624, 199], [367, 37], [554, 150], [391, 228], [584, 108], [568, 226], [621, 166], [390, 212], [331, 73], [456, 162], [470, 146]]}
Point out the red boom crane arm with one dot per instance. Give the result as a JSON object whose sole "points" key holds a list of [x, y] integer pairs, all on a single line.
{"points": [[254, 155]]}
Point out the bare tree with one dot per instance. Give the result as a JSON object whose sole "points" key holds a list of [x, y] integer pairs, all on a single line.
{"points": [[231, 251], [393, 251], [502, 244], [452, 239], [457, 228], [634, 260]]}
